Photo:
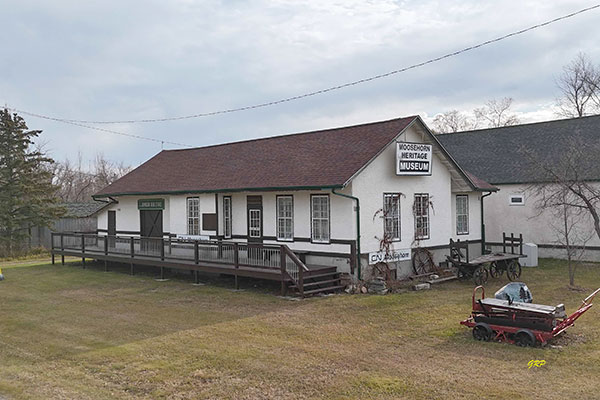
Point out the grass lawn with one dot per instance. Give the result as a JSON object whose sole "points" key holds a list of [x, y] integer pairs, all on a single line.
{"points": [[87, 334]]}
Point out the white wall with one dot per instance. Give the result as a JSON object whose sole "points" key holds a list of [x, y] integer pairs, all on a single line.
{"points": [[128, 215], [536, 227], [175, 216], [342, 225], [474, 216], [380, 177]]}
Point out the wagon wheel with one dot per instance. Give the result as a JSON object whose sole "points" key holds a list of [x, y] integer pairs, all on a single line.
{"points": [[525, 338], [495, 270], [480, 275], [513, 271], [422, 262], [482, 332]]}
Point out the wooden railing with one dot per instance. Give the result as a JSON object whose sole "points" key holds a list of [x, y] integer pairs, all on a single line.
{"points": [[237, 254]]}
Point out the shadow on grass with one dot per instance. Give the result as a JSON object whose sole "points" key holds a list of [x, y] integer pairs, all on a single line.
{"points": [[225, 281]]}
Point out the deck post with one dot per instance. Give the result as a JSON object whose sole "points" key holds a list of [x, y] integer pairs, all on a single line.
{"points": [[196, 252], [301, 281], [106, 245], [162, 249], [504, 242], [52, 246], [83, 250], [236, 261], [132, 251], [220, 248], [196, 277], [162, 273], [62, 249], [521, 243], [512, 243], [282, 260]]}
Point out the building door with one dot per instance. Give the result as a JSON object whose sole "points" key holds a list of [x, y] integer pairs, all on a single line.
{"points": [[255, 219], [112, 228], [151, 230]]}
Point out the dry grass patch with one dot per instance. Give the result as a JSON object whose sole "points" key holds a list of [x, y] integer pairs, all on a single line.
{"points": [[86, 334]]}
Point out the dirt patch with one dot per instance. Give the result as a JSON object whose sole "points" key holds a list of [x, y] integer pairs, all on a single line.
{"points": [[569, 339]]}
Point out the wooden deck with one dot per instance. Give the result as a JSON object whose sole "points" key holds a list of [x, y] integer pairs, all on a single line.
{"points": [[271, 262]]}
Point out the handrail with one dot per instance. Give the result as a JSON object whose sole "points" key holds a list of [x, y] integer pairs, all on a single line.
{"points": [[299, 279], [294, 257], [240, 254]]}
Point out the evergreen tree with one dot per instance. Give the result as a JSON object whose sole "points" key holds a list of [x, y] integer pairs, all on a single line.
{"points": [[27, 194]]}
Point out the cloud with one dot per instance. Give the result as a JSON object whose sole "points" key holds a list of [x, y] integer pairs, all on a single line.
{"points": [[145, 59]]}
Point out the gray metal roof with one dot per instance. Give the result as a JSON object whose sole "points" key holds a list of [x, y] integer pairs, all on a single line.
{"points": [[82, 210], [512, 154]]}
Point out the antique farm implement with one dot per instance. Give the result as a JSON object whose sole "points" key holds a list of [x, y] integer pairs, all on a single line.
{"points": [[524, 324], [493, 264]]}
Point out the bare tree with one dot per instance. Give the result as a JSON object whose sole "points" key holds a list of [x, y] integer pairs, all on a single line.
{"points": [[579, 84], [452, 121], [496, 113], [565, 188], [77, 183], [571, 226]]}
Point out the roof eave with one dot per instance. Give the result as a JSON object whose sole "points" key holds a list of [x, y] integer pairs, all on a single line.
{"points": [[226, 190]]}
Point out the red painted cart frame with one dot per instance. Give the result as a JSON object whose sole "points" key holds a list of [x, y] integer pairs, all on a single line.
{"points": [[506, 333]]}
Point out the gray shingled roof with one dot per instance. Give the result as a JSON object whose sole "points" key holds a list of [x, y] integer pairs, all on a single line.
{"points": [[82, 210], [508, 154]]}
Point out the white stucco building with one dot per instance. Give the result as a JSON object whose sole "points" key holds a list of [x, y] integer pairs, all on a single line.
{"points": [[515, 159], [330, 196]]}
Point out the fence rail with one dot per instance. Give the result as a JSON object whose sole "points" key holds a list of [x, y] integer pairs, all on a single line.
{"points": [[248, 255]]}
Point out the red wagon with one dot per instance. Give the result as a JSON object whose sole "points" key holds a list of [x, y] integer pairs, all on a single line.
{"points": [[524, 324]]}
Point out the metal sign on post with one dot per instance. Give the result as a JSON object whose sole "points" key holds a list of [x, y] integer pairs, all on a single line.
{"points": [[413, 158]]}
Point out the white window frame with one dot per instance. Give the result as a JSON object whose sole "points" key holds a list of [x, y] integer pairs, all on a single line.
{"points": [[391, 216], [285, 222], [193, 216], [320, 219], [254, 215], [422, 218], [227, 222], [462, 212], [520, 197]]}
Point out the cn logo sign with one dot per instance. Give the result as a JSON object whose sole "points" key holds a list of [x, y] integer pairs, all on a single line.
{"points": [[390, 256]]}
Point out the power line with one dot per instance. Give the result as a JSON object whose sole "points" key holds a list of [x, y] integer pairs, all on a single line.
{"points": [[76, 123], [326, 90]]}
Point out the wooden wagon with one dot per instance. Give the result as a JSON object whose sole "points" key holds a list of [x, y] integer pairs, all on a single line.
{"points": [[494, 264]]}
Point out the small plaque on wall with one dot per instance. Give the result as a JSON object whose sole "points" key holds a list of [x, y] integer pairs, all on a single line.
{"points": [[209, 222]]}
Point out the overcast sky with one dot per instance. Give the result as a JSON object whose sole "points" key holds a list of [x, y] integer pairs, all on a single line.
{"points": [[113, 60]]}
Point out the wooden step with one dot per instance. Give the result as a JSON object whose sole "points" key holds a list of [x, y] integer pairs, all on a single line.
{"points": [[327, 274], [320, 270], [323, 290], [317, 283]]}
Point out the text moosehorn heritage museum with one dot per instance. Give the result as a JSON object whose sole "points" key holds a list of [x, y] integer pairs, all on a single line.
{"points": [[413, 159]]}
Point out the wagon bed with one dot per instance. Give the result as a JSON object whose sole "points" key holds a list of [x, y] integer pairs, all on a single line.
{"points": [[493, 257]]}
